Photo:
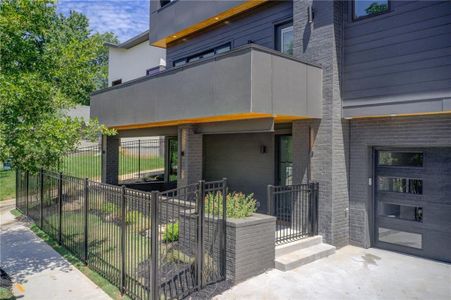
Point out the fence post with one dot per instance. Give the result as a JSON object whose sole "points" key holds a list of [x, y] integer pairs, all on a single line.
{"points": [[155, 279], [315, 200], [123, 233], [270, 202], [224, 229], [139, 158], [60, 207], [86, 207], [17, 189], [200, 234], [41, 198], [27, 186]]}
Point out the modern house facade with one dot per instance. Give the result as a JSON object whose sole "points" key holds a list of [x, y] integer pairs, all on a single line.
{"points": [[354, 95]]}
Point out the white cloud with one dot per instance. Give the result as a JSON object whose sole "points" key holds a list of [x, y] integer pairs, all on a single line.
{"points": [[125, 18]]}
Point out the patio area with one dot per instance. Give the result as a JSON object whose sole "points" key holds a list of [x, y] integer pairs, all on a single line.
{"points": [[352, 273]]}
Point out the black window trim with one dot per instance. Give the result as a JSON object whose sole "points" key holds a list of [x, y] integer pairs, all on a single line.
{"points": [[355, 18], [116, 82], [277, 32], [214, 49]]}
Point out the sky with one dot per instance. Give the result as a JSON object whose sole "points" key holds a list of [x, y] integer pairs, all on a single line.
{"points": [[126, 18]]}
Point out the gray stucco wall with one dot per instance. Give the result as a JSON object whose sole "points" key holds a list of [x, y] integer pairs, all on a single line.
{"points": [[398, 62], [237, 157], [320, 42], [257, 25], [419, 131]]}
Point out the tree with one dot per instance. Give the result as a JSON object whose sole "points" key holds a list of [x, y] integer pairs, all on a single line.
{"points": [[376, 8], [49, 63]]}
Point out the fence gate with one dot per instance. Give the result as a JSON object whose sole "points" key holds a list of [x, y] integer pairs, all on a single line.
{"points": [[197, 257], [296, 209]]}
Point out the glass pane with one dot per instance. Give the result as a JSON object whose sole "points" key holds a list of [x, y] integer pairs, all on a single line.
{"points": [[364, 8], [399, 185], [410, 213], [400, 159], [173, 158], [286, 40], [402, 238], [208, 54], [223, 49], [285, 160], [179, 63]]}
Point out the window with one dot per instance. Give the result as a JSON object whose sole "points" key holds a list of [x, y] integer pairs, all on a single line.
{"points": [[152, 71], [402, 238], [402, 212], [206, 54], [367, 8], [163, 3], [400, 185], [116, 82], [284, 38], [399, 159]]}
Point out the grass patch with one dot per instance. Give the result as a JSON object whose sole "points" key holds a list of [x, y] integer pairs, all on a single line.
{"points": [[100, 281], [7, 185], [6, 294]]}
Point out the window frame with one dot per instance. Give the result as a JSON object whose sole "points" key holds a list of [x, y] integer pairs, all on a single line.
{"points": [[116, 82], [199, 55], [279, 27], [355, 18]]}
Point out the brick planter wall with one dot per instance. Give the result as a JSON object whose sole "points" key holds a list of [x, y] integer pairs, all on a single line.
{"points": [[249, 243]]}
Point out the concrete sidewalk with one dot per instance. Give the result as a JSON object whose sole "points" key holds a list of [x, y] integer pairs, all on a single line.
{"points": [[41, 273], [352, 273]]}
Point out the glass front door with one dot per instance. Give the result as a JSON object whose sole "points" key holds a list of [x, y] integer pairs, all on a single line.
{"points": [[173, 158], [285, 160]]}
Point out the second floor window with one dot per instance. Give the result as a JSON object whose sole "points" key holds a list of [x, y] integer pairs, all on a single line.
{"points": [[285, 38], [202, 55], [367, 8], [116, 82]]}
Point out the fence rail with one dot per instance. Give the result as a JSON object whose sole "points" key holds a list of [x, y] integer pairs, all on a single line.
{"points": [[138, 159], [158, 245], [296, 210]]}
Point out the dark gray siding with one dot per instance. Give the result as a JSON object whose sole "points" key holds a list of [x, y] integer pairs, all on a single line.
{"points": [[237, 157], [257, 25], [404, 52]]}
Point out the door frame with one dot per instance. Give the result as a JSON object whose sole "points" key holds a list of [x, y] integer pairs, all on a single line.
{"points": [[374, 240]]}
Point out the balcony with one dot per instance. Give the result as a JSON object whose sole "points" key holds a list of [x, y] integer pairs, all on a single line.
{"points": [[249, 82], [180, 18]]}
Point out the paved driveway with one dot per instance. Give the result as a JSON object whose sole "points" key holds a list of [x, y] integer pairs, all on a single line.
{"points": [[41, 273], [352, 273]]}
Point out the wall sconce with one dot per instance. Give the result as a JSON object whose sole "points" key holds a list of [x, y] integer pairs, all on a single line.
{"points": [[310, 13], [262, 149]]}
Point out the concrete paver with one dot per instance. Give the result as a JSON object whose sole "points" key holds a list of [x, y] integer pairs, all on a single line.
{"points": [[352, 273], [38, 269]]}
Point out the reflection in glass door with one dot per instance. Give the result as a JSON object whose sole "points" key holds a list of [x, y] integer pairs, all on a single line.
{"points": [[173, 158], [285, 160]]}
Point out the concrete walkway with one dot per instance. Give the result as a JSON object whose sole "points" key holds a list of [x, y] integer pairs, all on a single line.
{"points": [[39, 271], [352, 273]]}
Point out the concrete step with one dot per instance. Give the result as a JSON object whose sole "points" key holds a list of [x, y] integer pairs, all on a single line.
{"points": [[298, 245], [304, 256]]}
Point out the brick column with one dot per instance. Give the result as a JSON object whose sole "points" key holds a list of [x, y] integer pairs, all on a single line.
{"points": [[190, 156], [301, 152], [110, 159], [321, 42]]}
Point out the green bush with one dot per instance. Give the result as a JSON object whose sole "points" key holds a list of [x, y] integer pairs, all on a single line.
{"points": [[238, 205], [171, 233], [133, 217], [110, 208]]}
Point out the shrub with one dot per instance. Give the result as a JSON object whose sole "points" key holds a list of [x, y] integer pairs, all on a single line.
{"points": [[133, 217], [171, 233], [238, 205], [109, 208]]}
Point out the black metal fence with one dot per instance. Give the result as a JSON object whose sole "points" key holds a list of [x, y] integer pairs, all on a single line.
{"points": [[296, 209], [159, 245], [138, 159]]}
